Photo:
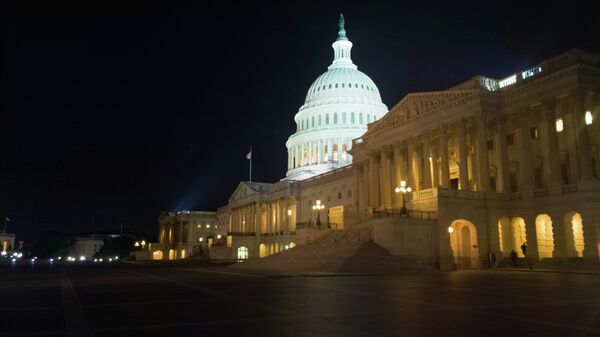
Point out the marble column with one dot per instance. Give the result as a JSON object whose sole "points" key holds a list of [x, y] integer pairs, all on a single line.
{"points": [[385, 181], [463, 177], [398, 173], [482, 154], [585, 156], [526, 173], [410, 152], [374, 179], [444, 158], [355, 184], [426, 169], [366, 191], [503, 175], [550, 144]]}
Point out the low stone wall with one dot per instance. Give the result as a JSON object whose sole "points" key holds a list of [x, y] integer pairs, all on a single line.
{"points": [[406, 237], [308, 235], [220, 253]]}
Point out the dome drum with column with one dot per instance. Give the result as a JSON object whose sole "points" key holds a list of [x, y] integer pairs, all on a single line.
{"points": [[338, 106]]}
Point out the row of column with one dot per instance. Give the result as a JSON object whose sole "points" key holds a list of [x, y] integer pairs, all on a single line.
{"points": [[318, 152], [414, 160], [269, 218]]}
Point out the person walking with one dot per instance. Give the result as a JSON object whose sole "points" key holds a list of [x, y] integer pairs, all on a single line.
{"points": [[524, 249]]}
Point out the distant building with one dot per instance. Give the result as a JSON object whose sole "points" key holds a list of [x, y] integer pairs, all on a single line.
{"points": [[8, 241], [88, 245], [183, 234]]}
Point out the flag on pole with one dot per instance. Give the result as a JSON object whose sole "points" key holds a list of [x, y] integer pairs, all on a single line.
{"points": [[249, 155]]}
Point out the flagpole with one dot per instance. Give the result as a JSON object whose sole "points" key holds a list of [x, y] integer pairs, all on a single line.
{"points": [[250, 163]]}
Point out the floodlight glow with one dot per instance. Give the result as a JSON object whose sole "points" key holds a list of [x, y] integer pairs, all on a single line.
{"points": [[82, 258], [402, 183], [219, 236], [397, 190], [408, 189], [559, 125], [289, 212], [450, 230], [588, 118], [3, 253]]}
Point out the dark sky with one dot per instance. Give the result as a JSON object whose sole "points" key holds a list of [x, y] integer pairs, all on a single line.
{"points": [[113, 113]]}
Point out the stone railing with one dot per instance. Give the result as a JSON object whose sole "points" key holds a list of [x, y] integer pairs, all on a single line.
{"points": [[425, 194], [540, 192], [458, 194], [571, 188], [313, 225], [397, 213], [241, 233], [514, 195]]}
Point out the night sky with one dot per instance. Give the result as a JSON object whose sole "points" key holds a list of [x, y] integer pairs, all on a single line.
{"points": [[114, 113]]}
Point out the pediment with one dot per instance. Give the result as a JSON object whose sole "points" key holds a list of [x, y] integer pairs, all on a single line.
{"points": [[246, 189], [418, 105]]}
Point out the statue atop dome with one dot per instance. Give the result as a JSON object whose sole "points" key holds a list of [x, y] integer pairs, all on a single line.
{"points": [[342, 31]]}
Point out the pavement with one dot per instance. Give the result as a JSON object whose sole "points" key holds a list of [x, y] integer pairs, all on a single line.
{"points": [[204, 299]]}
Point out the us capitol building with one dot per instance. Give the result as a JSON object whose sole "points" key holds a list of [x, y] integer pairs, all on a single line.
{"points": [[449, 177]]}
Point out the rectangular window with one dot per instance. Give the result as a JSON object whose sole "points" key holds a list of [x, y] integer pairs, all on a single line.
{"points": [[559, 125], [510, 139], [534, 133]]}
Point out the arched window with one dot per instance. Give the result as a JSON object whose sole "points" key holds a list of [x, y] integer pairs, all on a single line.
{"points": [[352, 118], [342, 85], [242, 253], [368, 118], [335, 118], [312, 122], [360, 118], [319, 120], [343, 117], [336, 85], [326, 119]]}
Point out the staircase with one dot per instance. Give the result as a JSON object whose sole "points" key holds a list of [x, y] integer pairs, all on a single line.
{"points": [[349, 251]]}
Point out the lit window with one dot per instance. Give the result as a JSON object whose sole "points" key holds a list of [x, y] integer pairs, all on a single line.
{"points": [[207, 226], [508, 81], [530, 72], [588, 118], [559, 125], [534, 133]]}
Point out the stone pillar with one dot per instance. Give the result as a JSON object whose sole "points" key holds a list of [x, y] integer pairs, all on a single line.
{"points": [[558, 235], [374, 179], [310, 149], [426, 169], [386, 188], [320, 152], [410, 152], [591, 225], [366, 189], [570, 131], [398, 174], [550, 145], [482, 154], [463, 177], [444, 158], [329, 151], [583, 146], [531, 233], [526, 178], [355, 184], [503, 175]]}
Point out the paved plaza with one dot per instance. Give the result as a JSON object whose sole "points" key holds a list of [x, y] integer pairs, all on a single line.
{"points": [[200, 299]]}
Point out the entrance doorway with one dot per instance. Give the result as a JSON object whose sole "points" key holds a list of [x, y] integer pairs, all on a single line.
{"points": [[463, 240]]}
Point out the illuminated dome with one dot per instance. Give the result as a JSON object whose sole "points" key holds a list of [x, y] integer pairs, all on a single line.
{"points": [[338, 106]]}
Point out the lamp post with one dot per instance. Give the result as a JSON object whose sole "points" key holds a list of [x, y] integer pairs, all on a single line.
{"points": [[403, 189], [318, 207]]}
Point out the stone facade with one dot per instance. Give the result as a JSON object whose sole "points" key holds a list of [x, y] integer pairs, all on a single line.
{"points": [[492, 164], [184, 234]]}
